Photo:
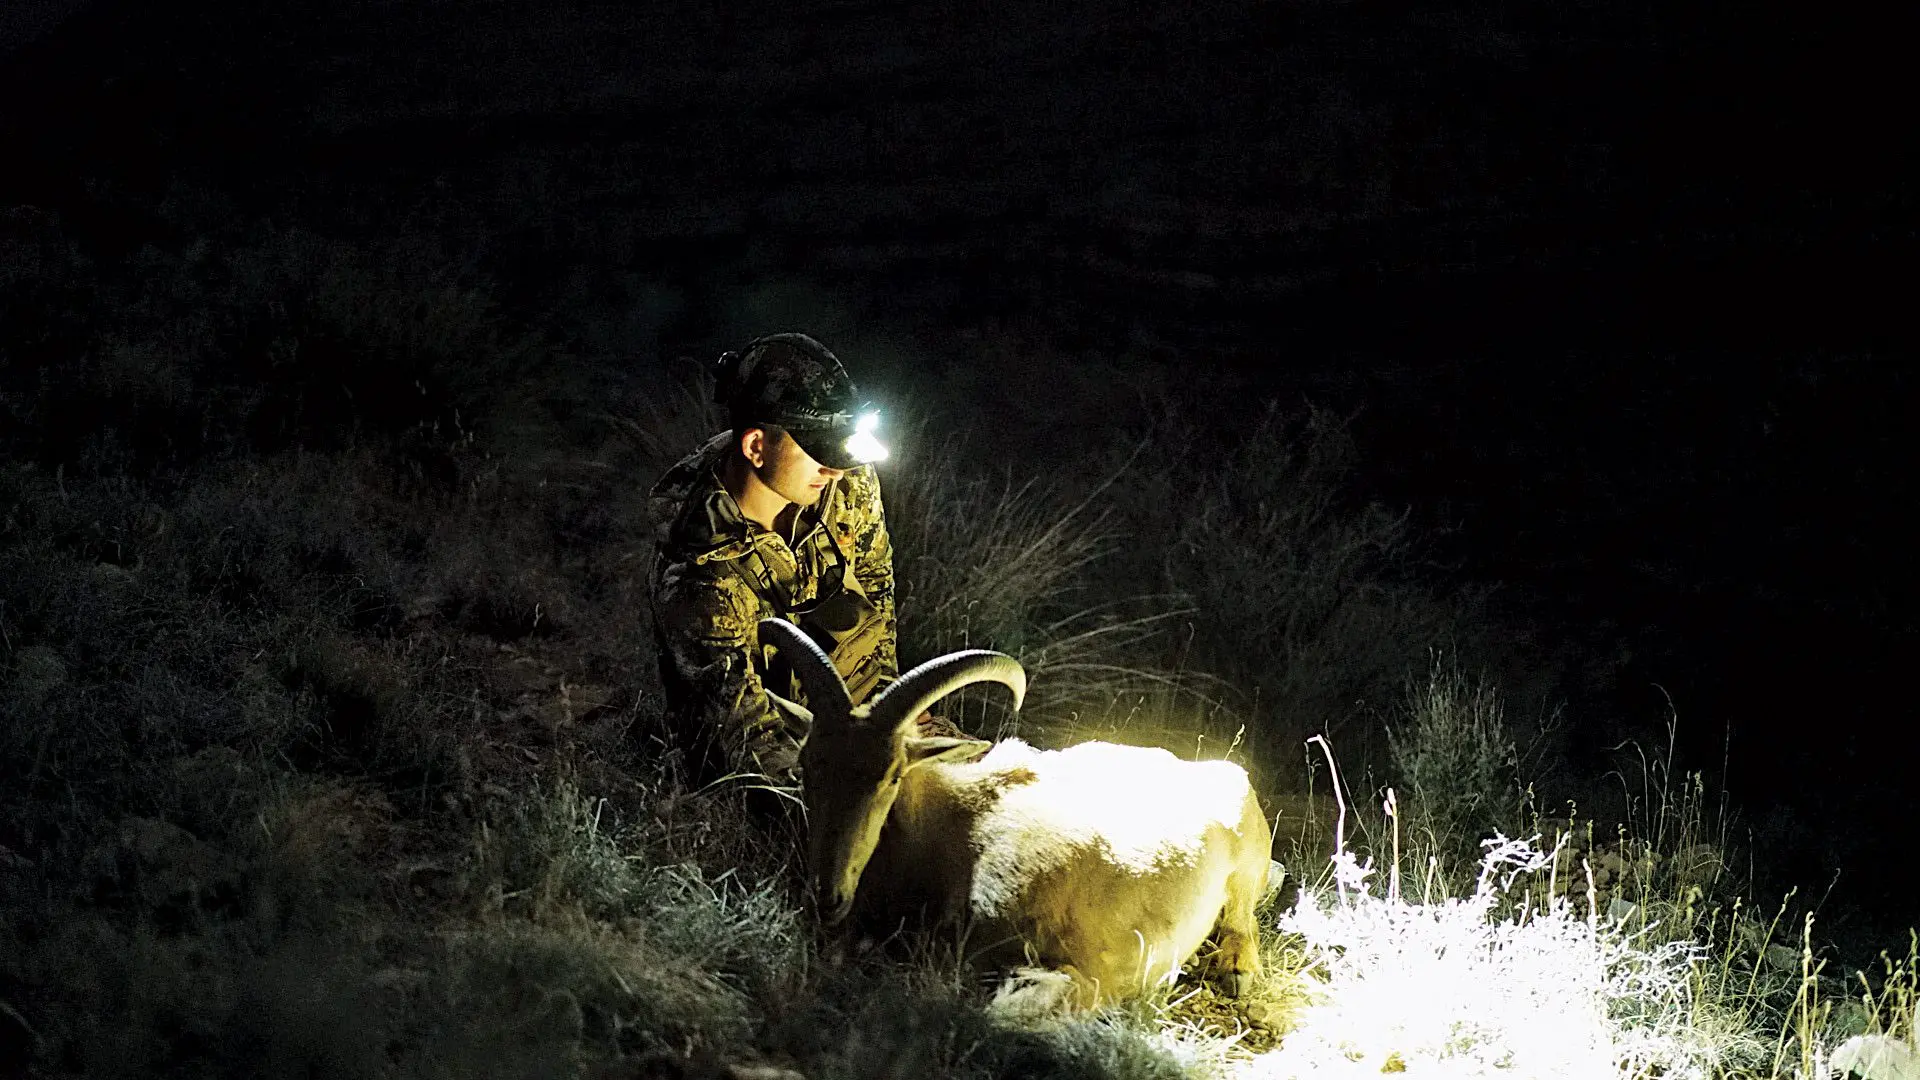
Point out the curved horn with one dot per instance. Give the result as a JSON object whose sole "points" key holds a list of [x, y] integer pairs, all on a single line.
{"points": [[920, 688], [826, 690]]}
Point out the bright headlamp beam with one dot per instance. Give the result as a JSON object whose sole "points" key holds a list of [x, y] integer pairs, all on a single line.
{"points": [[863, 446]]}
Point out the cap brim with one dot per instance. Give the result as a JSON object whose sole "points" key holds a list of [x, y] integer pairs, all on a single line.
{"points": [[828, 446]]}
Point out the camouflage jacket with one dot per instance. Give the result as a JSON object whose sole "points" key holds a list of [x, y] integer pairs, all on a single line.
{"points": [[717, 574]]}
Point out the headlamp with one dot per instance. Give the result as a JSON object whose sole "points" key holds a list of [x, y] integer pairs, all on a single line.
{"points": [[863, 446]]}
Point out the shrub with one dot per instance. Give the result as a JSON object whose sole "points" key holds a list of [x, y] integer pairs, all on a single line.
{"points": [[988, 562], [1455, 760], [1305, 598]]}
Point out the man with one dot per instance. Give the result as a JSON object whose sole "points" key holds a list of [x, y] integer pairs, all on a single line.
{"points": [[778, 516]]}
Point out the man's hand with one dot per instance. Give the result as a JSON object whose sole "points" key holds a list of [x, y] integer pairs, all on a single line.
{"points": [[779, 761]]}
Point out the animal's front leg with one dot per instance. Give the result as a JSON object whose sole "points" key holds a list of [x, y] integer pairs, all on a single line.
{"points": [[1235, 962], [1249, 883]]}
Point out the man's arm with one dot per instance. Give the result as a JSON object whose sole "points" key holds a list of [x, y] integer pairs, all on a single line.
{"points": [[873, 561], [873, 567], [709, 630]]}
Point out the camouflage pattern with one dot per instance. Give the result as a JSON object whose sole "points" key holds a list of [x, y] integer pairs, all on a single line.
{"points": [[717, 574], [785, 379], [795, 383]]}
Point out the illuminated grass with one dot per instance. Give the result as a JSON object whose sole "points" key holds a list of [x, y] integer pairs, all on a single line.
{"points": [[1456, 988]]}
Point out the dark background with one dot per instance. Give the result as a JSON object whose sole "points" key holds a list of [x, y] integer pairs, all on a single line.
{"points": [[1619, 291]]}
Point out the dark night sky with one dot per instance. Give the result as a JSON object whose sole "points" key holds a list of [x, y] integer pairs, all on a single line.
{"points": [[1622, 288]]}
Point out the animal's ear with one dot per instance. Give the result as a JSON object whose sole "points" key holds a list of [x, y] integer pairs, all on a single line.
{"points": [[800, 715], [926, 751]]}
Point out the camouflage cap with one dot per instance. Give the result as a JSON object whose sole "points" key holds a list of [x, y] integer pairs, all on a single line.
{"points": [[792, 382]]}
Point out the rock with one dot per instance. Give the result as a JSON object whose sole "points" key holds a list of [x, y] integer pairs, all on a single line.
{"points": [[1850, 1017], [760, 1072], [38, 671], [1876, 1057], [1782, 958], [581, 699], [1276, 877], [432, 881], [400, 979], [654, 1066], [165, 865], [109, 574], [159, 843]]}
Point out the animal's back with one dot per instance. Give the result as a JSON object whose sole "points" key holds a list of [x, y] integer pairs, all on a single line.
{"points": [[1113, 859], [1138, 806]]}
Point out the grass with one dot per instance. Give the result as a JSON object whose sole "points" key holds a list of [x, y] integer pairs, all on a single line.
{"points": [[331, 731], [1306, 603], [1447, 987], [275, 809], [988, 561]]}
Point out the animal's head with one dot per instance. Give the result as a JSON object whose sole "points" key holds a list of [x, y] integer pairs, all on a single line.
{"points": [[855, 757]]}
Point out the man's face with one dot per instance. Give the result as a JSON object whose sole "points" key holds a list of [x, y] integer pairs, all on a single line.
{"points": [[790, 471]]}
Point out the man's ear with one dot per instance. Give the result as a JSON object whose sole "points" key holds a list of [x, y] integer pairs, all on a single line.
{"points": [[753, 447], [941, 748]]}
